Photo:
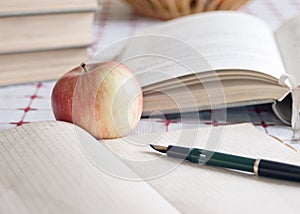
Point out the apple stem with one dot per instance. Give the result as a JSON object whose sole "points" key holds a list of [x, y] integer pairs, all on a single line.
{"points": [[83, 65]]}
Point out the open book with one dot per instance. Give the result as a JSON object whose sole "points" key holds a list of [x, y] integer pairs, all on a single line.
{"points": [[212, 60], [56, 167]]}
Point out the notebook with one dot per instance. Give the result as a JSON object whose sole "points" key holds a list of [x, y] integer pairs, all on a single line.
{"points": [[56, 167]]}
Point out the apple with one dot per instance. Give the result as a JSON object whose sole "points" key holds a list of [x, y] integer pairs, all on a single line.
{"points": [[105, 99]]}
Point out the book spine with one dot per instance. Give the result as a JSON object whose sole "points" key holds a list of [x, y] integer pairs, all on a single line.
{"points": [[46, 12], [282, 109]]}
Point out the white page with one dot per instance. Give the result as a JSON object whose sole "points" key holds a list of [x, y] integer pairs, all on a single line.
{"points": [[226, 40], [44, 169], [288, 38], [207, 189]]}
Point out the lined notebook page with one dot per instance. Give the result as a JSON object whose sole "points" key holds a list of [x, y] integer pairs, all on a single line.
{"points": [[205, 189], [43, 169], [52, 167]]}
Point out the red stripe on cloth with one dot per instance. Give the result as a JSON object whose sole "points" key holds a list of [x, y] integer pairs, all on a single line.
{"points": [[28, 108], [295, 4], [100, 26], [265, 125], [262, 123], [167, 123], [275, 12]]}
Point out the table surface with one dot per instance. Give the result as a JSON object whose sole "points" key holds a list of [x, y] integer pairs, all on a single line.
{"points": [[30, 102]]}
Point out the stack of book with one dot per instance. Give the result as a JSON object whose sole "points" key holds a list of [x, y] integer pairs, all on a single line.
{"points": [[41, 40]]}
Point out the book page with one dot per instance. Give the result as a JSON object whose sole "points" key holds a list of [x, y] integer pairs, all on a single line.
{"points": [[44, 169], [194, 188], [203, 42], [54, 167], [288, 38]]}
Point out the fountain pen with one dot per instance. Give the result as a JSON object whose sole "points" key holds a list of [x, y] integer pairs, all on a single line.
{"points": [[259, 167]]}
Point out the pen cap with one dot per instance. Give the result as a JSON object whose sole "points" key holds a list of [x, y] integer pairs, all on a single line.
{"points": [[273, 169], [178, 152]]}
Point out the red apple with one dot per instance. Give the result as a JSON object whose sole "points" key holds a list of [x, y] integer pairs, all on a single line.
{"points": [[104, 98]]}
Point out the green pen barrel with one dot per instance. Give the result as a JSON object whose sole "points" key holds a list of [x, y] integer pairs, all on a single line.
{"points": [[212, 158]]}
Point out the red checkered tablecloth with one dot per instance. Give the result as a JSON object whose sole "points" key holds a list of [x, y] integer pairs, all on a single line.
{"points": [[20, 104]]}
